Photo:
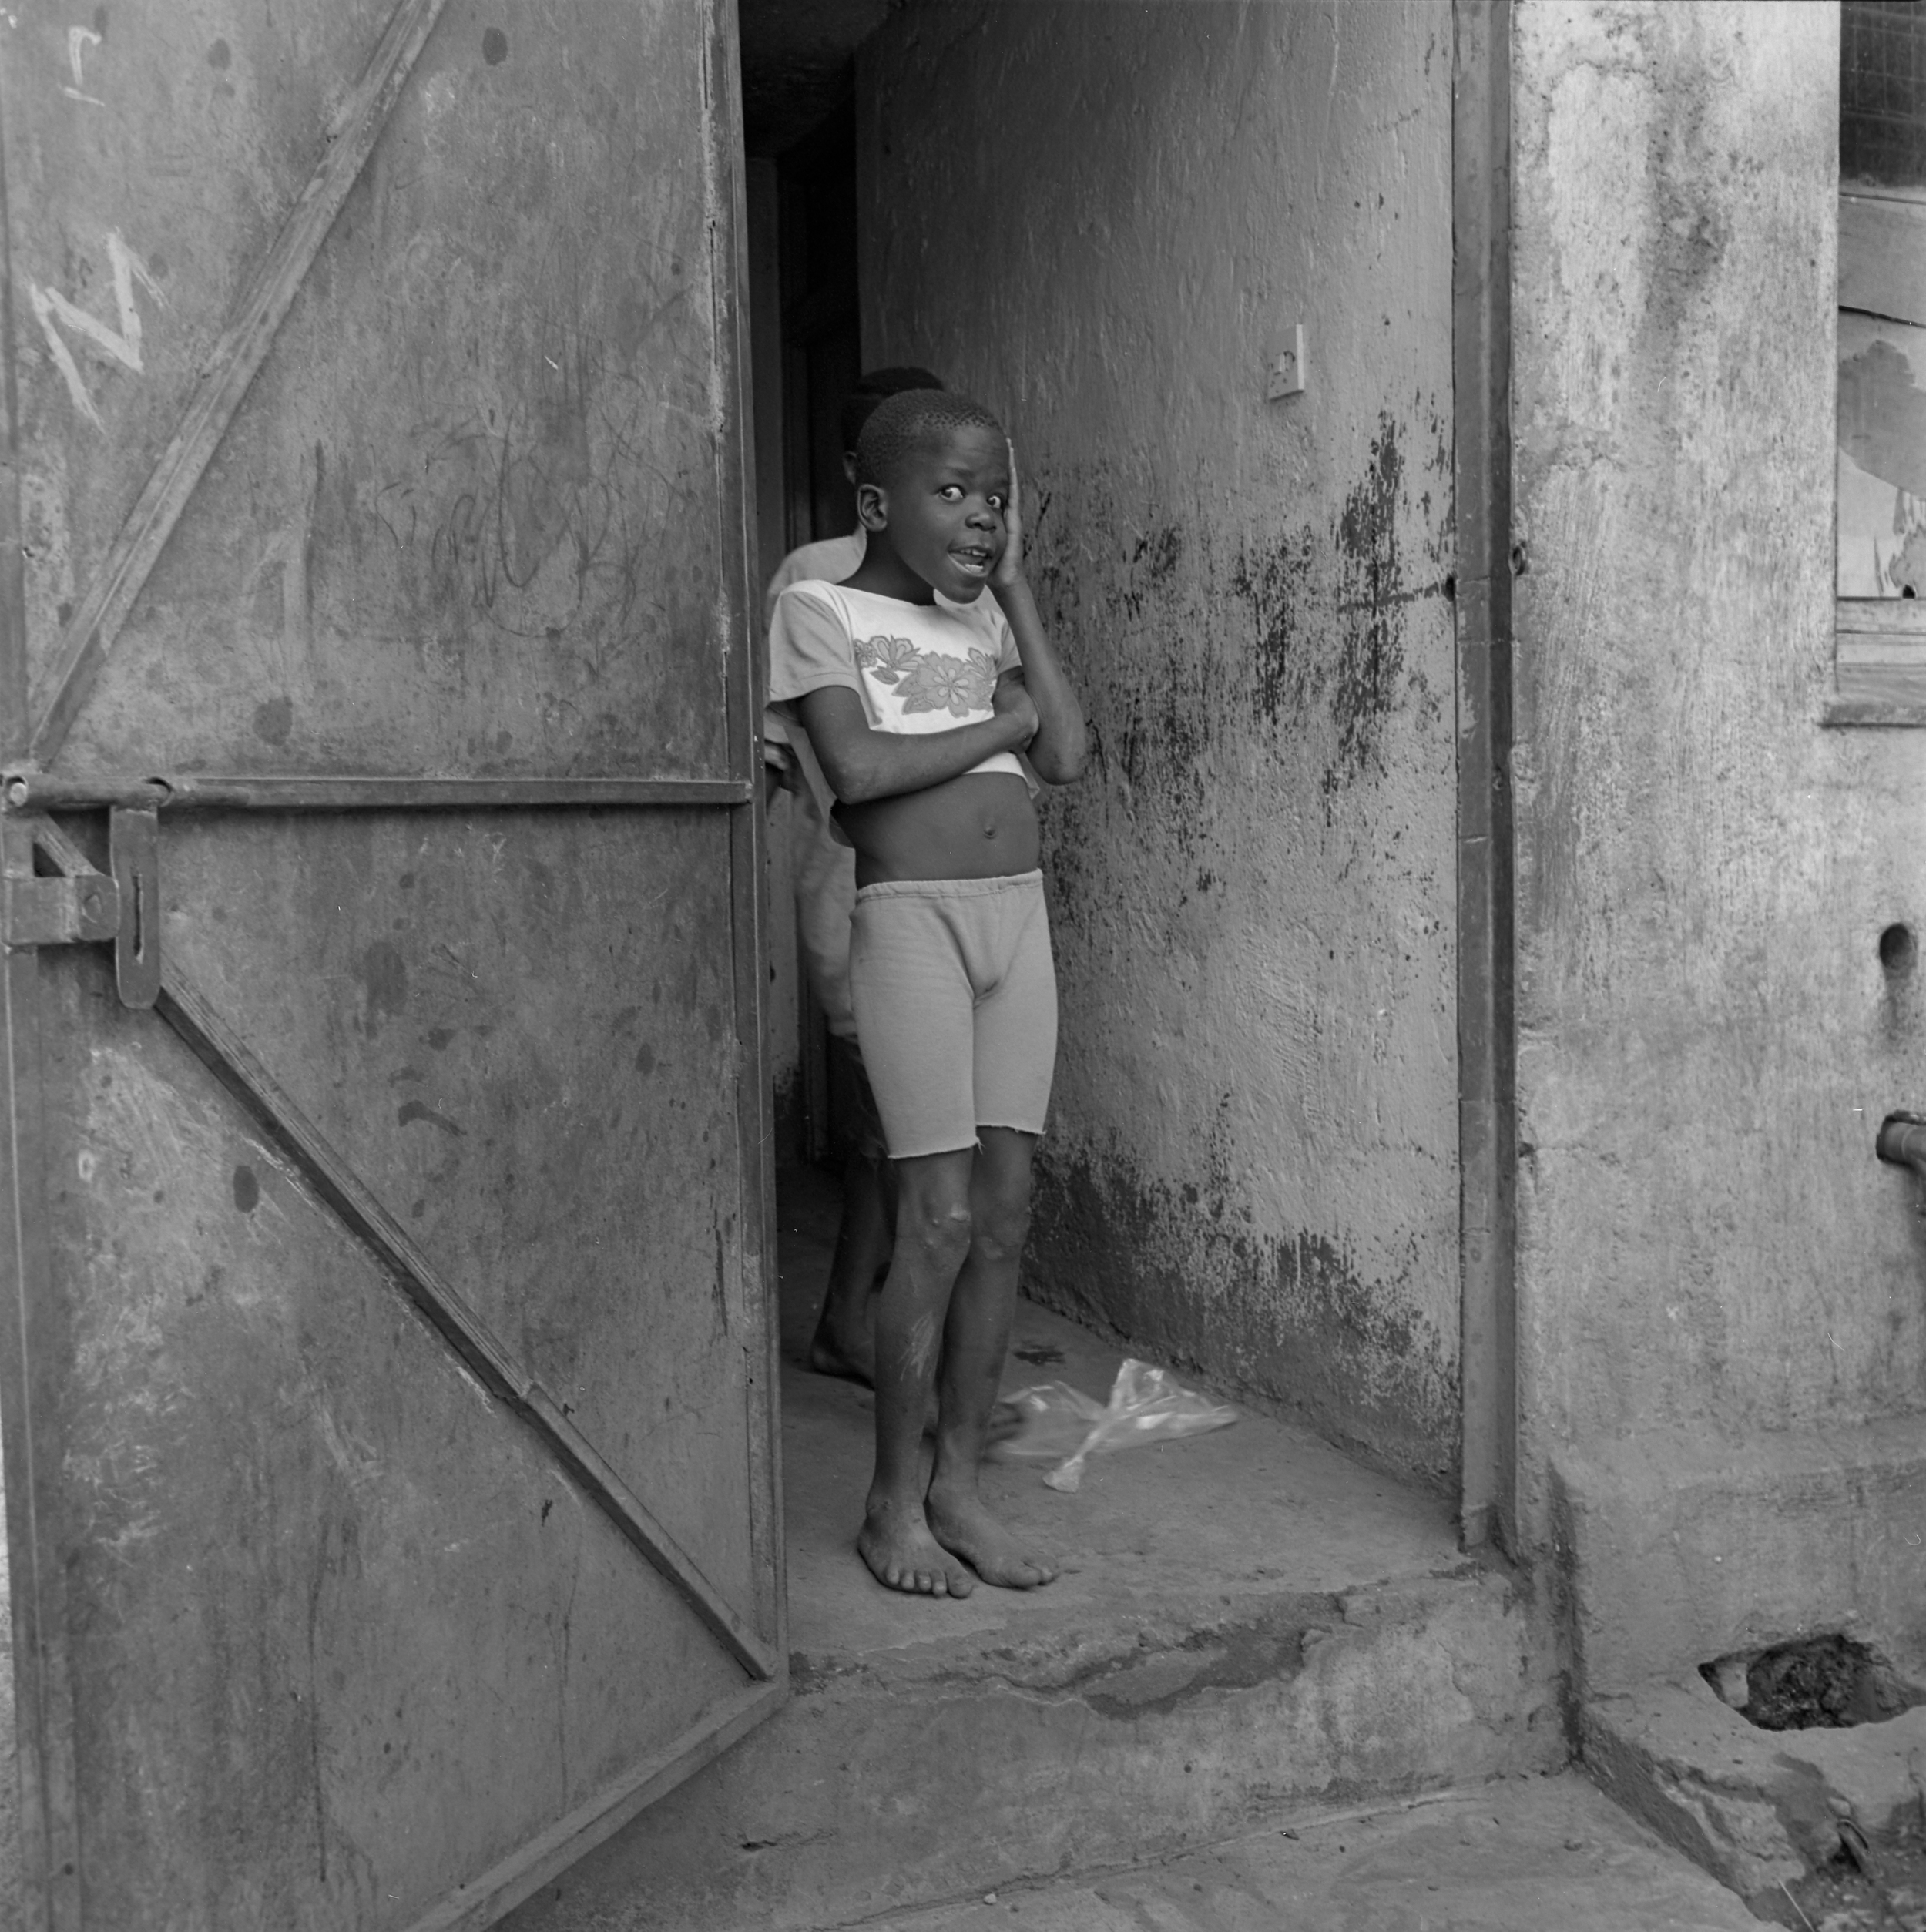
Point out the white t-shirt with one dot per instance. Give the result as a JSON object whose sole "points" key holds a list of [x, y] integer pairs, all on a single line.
{"points": [[917, 667], [832, 559]]}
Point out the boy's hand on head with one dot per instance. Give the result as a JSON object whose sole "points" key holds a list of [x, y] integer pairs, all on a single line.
{"points": [[1009, 566], [1013, 700]]}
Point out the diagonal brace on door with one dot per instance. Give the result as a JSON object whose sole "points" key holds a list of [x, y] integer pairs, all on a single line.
{"points": [[232, 365], [275, 1112]]}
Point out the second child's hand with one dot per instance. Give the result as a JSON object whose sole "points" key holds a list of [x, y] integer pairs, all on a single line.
{"points": [[1009, 566]]}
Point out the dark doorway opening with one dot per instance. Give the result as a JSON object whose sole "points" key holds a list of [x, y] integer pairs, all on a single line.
{"points": [[822, 350], [803, 214]]}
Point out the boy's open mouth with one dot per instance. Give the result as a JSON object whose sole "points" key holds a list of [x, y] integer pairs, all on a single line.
{"points": [[976, 558]]}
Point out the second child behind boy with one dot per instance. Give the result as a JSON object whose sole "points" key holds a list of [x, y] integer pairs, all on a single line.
{"points": [[913, 713]]}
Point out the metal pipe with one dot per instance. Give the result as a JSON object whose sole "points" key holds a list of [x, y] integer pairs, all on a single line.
{"points": [[1902, 1141], [324, 792]]}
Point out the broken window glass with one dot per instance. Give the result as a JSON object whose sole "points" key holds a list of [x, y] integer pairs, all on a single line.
{"points": [[1882, 300], [1882, 93]]}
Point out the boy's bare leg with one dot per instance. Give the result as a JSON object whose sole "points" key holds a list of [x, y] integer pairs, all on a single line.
{"points": [[976, 1338], [932, 1244], [843, 1343]]}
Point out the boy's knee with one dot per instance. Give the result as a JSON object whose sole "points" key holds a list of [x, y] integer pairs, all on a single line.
{"points": [[942, 1229], [1000, 1229]]}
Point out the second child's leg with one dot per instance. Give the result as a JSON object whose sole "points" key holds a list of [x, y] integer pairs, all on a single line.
{"points": [[975, 1341], [843, 1342], [933, 1242]]}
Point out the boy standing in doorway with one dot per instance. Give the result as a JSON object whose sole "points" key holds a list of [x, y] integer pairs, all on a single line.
{"points": [[825, 897], [916, 692]]}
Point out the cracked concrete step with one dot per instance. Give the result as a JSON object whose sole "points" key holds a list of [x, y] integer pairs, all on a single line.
{"points": [[1518, 1856], [1762, 1810], [1247, 1622]]}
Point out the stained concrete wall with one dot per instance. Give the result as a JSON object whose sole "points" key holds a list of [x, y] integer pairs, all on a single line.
{"points": [[1709, 1255], [1101, 220]]}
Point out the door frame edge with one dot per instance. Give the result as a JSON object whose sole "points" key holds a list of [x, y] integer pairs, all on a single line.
{"points": [[1481, 500]]}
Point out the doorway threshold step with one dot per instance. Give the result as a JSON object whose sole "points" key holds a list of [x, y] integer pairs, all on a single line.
{"points": [[1512, 1856], [1247, 1622]]}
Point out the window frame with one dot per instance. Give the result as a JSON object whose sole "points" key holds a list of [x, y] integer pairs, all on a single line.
{"points": [[1879, 651]]}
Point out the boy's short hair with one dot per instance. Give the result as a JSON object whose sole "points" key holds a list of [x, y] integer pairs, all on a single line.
{"points": [[872, 386], [908, 424]]}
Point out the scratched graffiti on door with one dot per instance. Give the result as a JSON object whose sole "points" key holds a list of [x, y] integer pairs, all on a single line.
{"points": [[122, 345], [534, 513]]}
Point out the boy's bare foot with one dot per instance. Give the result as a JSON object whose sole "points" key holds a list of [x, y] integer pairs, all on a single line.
{"points": [[902, 1555], [966, 1528]]}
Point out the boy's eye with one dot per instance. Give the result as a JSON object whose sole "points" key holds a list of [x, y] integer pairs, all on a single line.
{"points": [[996, 502], [952, 493]]}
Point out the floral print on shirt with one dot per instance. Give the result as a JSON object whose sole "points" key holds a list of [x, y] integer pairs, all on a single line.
{"points": [[886, 658], [930, 680]]}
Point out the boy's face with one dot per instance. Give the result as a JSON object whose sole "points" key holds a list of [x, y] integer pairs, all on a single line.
{"points": [[944, 510]]}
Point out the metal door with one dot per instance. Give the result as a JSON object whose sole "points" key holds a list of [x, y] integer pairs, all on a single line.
{"points": [[387, 1336]]}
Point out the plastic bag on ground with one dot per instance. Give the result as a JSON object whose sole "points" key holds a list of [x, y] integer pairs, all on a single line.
{"points": [[1063, 1425]]}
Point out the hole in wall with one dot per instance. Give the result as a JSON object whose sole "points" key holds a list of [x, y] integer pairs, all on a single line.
{"points": [[1898, 949], [1829, 1683], [1907, 590]]}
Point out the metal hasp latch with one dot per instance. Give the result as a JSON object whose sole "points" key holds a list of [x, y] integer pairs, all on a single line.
{"points": [[72, 904]]}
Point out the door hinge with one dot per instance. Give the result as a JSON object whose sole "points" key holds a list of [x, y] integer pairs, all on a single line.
{"points": [[75, 905]]}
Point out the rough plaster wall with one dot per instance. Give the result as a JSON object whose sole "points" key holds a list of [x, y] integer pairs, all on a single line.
{"points": [[1707, 1041], [1097, 218]]}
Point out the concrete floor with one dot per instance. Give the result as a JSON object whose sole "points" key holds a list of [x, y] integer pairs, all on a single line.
{"points": [[1176, 1537], [1248, 1624], [1531, 1855], [1175, 1530]]}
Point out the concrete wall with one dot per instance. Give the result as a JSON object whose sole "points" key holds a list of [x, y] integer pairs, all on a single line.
{"points": [[1100, 220], [1707, 1042]]}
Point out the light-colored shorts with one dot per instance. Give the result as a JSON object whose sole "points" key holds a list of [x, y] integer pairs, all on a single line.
{"points": [[955, 994]]}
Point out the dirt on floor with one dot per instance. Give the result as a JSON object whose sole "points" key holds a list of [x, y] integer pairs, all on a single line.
{"points": [[1867, 1888]]}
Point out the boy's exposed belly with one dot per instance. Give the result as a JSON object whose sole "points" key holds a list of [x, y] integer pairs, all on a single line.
{"points": [[980, 825]]}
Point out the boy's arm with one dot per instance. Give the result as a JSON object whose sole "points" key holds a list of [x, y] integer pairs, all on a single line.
{"points": [[863, 764], [1061, 745]]}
